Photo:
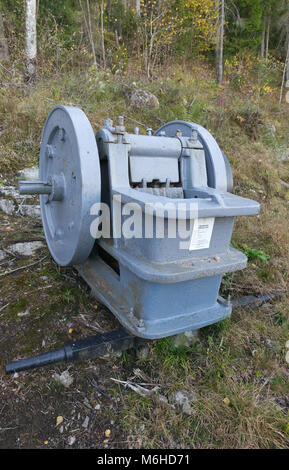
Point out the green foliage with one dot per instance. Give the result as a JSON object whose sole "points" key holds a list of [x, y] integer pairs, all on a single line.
{"points": [[60, 15], [245, 31], [255, 254]]}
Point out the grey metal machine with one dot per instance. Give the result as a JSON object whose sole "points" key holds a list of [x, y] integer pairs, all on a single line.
{"points": [[155, 285]]}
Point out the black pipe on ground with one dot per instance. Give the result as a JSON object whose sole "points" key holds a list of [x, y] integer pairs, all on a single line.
{"points": [[81, 350], [106, 343]]}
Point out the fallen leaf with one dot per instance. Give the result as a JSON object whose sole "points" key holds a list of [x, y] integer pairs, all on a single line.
{"points": [[226, 401], [59, 420]]}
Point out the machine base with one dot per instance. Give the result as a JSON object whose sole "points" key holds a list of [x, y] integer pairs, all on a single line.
{"points": [[152, 310]]}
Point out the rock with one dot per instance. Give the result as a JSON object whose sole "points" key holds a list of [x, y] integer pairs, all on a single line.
{"points": [[65, 378], [26, 249], [71, 440], [12, 191], [143, 352], [85, 422], [185, 339], [284, 156], [141, 98], [24, 314], [32, 211], [29, 173], [184, 400], [7, 206], [2, 255]]}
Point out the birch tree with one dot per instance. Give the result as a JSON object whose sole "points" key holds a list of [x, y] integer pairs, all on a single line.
{"points": [[137, 7], [4, 53], [31, 39], [220, 41]]}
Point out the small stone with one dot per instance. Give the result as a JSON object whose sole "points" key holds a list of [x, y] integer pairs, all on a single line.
{"points": [[30, 210], [163, 399], [184, 400], [26, 249], [65, 378], [85, 422], [29, 173], [284, 156], [143, 352], [24, 314], [2, 255], [188, 338], [141, 98], [97, 407], [71, 440], [7, 206]]}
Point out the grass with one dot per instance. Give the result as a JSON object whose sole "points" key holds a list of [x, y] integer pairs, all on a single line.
{"points": [[241, 360]]}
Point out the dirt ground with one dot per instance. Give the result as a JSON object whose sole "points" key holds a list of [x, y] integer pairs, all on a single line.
{"points": [[41, 308]]}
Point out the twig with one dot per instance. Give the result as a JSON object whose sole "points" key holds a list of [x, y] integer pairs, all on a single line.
{"points": [[22, 267], [4, 306], [137, 122], [15, 255]]}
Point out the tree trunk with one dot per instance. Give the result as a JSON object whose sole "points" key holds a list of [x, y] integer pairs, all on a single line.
{"points": [[284, 75], [4, 53], [263, 43], [137, 7], [220, 42], [287, 63], [31, 40], [268, 38], [102, 33]]}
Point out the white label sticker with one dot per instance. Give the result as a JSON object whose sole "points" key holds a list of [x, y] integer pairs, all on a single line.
{"points": [[202, 234]]}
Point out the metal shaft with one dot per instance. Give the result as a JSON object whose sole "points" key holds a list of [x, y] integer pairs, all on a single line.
{"points": [[34, 187]]}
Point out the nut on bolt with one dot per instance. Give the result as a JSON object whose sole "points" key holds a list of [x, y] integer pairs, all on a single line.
{"points": [[194, 136], [140, 324], [49, 151]]}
